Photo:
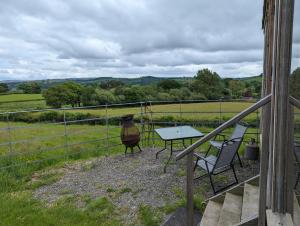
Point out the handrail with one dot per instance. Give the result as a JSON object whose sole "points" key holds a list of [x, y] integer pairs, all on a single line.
{"points": [[294, 101], [224, 126]]}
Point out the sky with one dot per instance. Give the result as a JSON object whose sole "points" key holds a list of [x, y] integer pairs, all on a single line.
{"points": [[43, 39]]}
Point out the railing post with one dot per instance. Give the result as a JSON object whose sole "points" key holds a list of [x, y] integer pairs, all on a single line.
{"points": [[257, 127], [66, 136], [189, 189]]}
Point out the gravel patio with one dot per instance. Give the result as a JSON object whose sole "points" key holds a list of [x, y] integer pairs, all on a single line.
{"points": [[131, 180]]}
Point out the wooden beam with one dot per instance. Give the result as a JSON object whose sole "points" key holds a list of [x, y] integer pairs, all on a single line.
{"points": [[282, 142], [294, 102], [224, 126], [265, 121]]}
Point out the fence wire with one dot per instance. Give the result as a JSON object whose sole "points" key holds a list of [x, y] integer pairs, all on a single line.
{"points": [[23, 143]]}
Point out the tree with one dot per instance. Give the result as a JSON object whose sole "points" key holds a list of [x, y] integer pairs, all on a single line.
{"points": [[55, 96], [73, 92], [237, 88], [89, 96], [3, 88], [131, 94], [64, 94], [208, 83], [168, 84], [110, 84], [30, 87], [105, 97], [295, 83]]}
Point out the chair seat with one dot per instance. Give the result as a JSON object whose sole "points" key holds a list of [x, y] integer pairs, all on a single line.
{"points": [[216, 144], [211, 162]]}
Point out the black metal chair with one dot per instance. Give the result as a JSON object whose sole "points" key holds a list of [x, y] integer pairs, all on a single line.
{"points": [[214, 165], [238, 132], [297, 158]]}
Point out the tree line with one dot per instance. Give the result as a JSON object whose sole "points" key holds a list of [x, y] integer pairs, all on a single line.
{"points": [[205, 85]]}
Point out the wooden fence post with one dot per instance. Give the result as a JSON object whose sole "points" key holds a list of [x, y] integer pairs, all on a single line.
{"points": [[189, 189]]}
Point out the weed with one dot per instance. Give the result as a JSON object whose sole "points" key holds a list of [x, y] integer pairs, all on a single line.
{"points": [[149, 216]]}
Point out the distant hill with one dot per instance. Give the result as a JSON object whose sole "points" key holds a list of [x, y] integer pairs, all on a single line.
{"points": [[130, 81], [252, 79]]}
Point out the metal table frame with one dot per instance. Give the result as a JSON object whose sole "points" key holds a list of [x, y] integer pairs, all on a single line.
{"points": [[172, 142]]}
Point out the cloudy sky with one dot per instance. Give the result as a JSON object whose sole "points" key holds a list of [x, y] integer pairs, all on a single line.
{"points": [[128, 38]]}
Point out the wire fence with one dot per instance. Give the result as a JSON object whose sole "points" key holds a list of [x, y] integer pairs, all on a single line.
{"points": [[49, 136]]}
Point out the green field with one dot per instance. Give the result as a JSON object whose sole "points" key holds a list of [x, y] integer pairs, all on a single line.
{"points": [[18, 102], [20, 97], [34, 148]]}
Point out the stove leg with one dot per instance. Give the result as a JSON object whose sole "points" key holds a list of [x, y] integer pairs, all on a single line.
{"points": [[139, 147]]}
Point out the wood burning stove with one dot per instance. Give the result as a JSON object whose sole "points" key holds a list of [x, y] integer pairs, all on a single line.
{"points": [[130, 134]]}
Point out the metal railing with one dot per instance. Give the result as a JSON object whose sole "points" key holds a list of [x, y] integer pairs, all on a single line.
{"points": [[27, 138]]}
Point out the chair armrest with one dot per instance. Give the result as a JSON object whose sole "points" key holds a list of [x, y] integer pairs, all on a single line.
{"points": [[232, 141], [220, 135], [203, 158]]}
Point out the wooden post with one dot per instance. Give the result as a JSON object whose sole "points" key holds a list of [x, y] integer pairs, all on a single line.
{"points": [[266, 110], [189, 189], [281, 152]]}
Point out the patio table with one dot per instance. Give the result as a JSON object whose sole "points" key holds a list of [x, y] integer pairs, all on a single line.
{"points": [[171, 134]]}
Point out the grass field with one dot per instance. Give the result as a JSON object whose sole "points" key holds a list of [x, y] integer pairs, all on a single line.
{"points": [[46, 142], [20, 97], [36, 148], [17, 102]]}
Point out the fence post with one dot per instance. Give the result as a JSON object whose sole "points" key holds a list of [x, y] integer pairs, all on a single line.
{"points": [[107, 130], [180, 106], [66, 136], [220, 111], [142, 123], [189, 189], [152, 125], [9, 134]]}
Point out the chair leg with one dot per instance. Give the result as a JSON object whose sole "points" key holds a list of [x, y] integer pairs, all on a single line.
{"points": [[126, 150], [238, 156], [139, 147], [195, 167], [211, 182], [234, 173], [208, 150]]}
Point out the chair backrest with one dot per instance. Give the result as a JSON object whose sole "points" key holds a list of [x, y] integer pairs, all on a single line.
{"points": [[227, 153], [238, 132]]}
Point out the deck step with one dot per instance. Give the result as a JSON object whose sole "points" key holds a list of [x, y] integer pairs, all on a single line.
{"points": [[296, 217], [276, 219], [250, 201], [211, 214], [231, 210]]}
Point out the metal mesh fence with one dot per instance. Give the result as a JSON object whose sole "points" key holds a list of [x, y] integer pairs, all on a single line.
{"points": [[55, 135]]}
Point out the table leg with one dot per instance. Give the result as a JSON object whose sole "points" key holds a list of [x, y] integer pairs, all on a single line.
{"points": [[183, 144], [156, 155], [171, 153]]}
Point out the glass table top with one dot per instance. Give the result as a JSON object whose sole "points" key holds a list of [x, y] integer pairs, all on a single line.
{"points": [[178, 132]]}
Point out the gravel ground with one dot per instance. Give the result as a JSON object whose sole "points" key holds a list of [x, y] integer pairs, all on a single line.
{"points": [[130, 181]]}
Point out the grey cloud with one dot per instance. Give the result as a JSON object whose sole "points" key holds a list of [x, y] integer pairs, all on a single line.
{"points": [[75, 38]]}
